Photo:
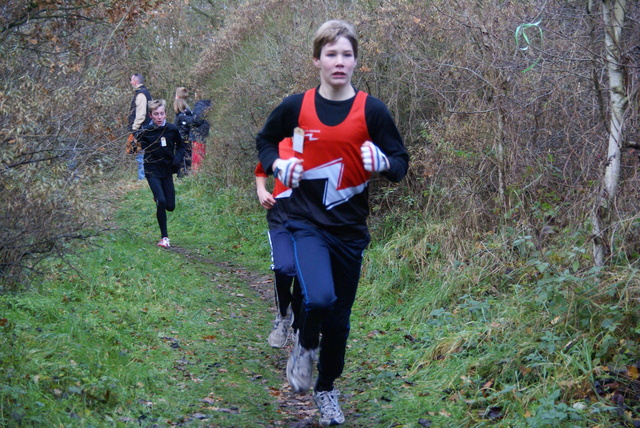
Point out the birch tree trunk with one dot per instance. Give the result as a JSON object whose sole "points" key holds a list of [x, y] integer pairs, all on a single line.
{"points": [[614, 15]]}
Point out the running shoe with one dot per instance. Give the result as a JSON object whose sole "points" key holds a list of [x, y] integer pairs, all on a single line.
{"points": [[164, 243], [327, 402], [280, 331], [300, 367]]}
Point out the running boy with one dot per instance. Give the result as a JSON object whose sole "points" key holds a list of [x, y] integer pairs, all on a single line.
{"points": [[283, 263], [163, 154], [340, 135]]}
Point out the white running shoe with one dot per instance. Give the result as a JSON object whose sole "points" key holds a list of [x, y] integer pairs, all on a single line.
{"points": [[300, 367], [280, 331], [327, 402], [164, 243]]}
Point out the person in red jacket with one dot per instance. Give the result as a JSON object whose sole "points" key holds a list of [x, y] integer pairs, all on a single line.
{"points": [[283, 263], [340, 136]]}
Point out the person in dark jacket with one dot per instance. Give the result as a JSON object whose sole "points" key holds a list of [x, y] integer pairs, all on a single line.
{"points": [[193, 127], [183, 120], [163, 154], [340, 136], [138, 114], [199, 132]]}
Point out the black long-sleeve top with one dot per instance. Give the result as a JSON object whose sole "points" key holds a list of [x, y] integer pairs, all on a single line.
{"points": [[306, 202], [163, 149]]}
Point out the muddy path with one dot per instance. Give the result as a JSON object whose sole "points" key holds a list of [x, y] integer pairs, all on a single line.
{"points": [[299, 410]]}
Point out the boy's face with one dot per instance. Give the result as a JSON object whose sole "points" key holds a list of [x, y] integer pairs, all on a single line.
{"points": [[336, 63], [158, 116]]}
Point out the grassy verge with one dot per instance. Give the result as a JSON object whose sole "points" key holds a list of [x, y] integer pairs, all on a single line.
{"points": [[135, 335]]}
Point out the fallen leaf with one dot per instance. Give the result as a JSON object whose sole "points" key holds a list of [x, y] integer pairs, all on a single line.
{"points": [[488, 384]]}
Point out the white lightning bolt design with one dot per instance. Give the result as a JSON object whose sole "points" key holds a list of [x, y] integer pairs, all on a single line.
{"points": [[284, 194], [332, 172]]}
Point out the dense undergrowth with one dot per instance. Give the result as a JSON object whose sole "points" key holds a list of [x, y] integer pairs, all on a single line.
{"points": [[519, 334], [479, 302], [133, 335]]}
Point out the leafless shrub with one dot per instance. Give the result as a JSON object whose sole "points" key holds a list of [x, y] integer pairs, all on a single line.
{"points": [[498, 135], [60, 123]]}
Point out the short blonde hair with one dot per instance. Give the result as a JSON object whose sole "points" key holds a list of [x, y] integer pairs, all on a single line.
{"points": [[156, 104], [330, 31]]}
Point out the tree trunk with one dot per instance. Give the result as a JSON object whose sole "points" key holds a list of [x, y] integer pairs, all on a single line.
{"points": [[614, 14], [500, 154]]}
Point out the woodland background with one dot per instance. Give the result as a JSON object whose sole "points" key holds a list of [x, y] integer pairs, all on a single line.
{"points": [[504, 106]]}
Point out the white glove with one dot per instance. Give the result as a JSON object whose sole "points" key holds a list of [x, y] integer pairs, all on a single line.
{"points": [[373, 158], [288, 171]]}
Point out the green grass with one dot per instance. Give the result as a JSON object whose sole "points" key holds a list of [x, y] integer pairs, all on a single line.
{"points": [[135, 335]]}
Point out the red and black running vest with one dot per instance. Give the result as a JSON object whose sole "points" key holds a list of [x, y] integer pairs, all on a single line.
{"points": [[333, 189]]}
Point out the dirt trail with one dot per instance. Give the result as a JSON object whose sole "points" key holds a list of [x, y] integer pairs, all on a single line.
{"points": [[299, 409]]}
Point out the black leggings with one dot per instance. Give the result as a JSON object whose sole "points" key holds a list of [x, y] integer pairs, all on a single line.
{"points": [[165, 196]]}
